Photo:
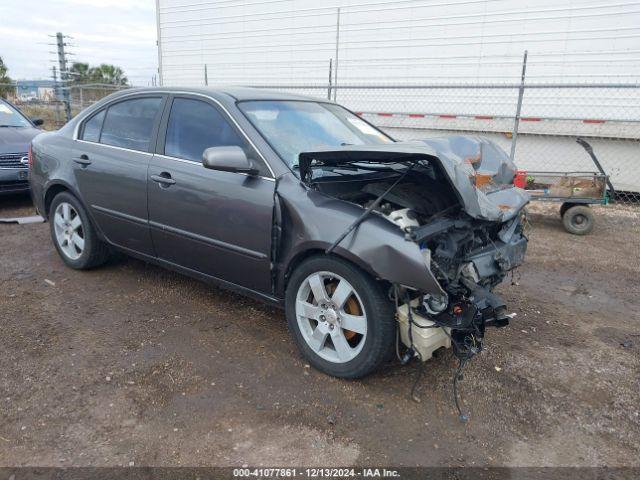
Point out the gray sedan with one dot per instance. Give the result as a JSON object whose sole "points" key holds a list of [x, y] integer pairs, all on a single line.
{"points": [[371, 246], [16, 132]]}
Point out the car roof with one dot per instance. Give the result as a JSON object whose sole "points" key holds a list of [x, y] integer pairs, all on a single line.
{"points": [[237, 93]]}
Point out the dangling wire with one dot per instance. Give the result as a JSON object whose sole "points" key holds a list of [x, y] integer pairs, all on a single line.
{"points": [[462, 362], [463, 351]]}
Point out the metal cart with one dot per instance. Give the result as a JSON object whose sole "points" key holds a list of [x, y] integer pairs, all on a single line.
{"points": [[574, 190]]}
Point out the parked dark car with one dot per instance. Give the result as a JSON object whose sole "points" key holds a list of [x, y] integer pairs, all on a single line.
{"points": [[16, 132], [299, 203]]}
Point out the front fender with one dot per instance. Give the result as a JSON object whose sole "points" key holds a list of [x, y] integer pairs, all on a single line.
{"points": [[313, 221]]}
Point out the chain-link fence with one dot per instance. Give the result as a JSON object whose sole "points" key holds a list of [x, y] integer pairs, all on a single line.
{"points": [[47, 102], [552, 117]]}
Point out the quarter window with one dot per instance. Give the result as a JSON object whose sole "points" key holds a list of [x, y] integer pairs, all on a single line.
{"points": [[92, 128], [129, 124], [194, 126]]}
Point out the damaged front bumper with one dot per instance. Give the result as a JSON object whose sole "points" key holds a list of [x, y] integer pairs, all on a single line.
{"points": [[459, 318], [465, 234]]}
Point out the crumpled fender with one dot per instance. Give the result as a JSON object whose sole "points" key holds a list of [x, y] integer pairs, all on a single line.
{"points": [[464, 156], [312, 220]]}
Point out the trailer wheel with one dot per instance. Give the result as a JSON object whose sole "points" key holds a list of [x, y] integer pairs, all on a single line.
{"points": [[566, 206], [578, 220]]}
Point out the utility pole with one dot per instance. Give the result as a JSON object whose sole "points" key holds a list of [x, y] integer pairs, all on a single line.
{"points": [[159, 43], [56, 93], [64, 74]]}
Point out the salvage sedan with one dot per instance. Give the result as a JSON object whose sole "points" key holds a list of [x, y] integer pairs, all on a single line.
{"points": [[366, 242]]}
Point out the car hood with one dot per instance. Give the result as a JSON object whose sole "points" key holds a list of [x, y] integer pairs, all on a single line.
{"points": [[16, 139], [479, 171]]}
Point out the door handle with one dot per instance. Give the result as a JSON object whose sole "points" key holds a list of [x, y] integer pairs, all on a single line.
{"points": [[164, 179], [82, 160]]}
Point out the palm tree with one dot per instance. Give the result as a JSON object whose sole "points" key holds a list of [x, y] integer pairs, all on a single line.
{"points": [[108, 74], [80, 72]]}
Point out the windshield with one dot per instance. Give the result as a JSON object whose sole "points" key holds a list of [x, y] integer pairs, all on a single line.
{"points": [[10, 117], [292, 127]]}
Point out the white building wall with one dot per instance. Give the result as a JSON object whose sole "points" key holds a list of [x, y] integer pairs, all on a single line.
{"points": [[418, 42], [398, 42]]}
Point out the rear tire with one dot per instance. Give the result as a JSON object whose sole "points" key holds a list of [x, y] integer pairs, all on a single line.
{"points": [[322, 327], [73, 234], [578, 220]]}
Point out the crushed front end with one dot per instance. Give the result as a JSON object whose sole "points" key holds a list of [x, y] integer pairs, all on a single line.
{"points": [[473, 250], [451, 197], [469, 258]]}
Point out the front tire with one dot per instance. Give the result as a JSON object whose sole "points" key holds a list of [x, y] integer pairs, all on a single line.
{"points": [[340, 318], [73, 234]]}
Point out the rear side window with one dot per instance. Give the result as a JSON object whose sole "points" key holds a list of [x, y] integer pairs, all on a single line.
{"points": [[92, 128], [194, 126], [129, 124]]}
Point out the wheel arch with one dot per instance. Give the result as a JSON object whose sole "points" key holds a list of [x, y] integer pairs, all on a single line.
{"points": [[51, 191], [316, 251], [58, 186]]}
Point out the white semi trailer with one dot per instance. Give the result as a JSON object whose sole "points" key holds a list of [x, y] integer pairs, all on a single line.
{"points": [[305, 43]]}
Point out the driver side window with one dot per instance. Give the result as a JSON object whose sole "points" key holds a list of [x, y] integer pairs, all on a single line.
{"points": [[195, 125]]}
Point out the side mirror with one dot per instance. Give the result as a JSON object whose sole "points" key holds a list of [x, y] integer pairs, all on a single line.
{"points": [[37, 121], [228, 159]]}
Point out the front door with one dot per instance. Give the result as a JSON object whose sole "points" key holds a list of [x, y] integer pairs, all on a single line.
{"points": [[110, 162], [212, 222]]}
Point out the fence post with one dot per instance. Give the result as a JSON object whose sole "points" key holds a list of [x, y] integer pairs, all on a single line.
{"points": [[516, 121], [206, 76], [330, 75], [81, 97], [56, 95], [335, 68]]}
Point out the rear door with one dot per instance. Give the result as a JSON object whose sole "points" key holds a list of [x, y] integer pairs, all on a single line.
{"points": [[111, 158], [213, 222]]}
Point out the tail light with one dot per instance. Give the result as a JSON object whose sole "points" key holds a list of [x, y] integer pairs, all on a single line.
{"points": [[30, 157]]}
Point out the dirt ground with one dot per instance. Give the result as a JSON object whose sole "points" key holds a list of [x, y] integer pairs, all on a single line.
{"points": [[133, 365]]}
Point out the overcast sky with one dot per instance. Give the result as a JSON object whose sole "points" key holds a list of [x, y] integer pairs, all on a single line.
{"points": [[120, 32]]}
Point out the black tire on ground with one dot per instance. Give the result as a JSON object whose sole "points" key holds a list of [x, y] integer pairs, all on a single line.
{"points": [[380, 313], [95, 251], [566, 206], [578, 220]]}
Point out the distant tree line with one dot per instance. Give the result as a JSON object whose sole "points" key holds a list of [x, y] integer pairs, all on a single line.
{"points": [[5, 79], [80, 73], [104, 73]]}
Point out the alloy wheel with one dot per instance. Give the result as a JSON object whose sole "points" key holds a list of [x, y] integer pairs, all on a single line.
{"points": [[68, 230], [331, 317]]}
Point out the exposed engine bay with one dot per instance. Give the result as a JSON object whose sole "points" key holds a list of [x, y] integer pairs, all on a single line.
{"points": [[468, 226]]}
